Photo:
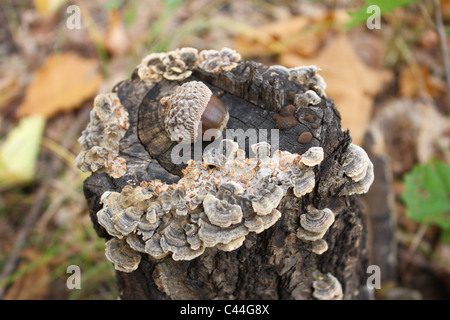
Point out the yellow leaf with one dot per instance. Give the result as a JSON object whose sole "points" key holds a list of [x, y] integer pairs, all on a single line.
{"points": [[19, 151], [416, 81], [61, 84], [48, 6]]}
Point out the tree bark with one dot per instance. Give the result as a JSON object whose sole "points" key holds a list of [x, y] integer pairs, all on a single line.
{"points": [[274, 264]]}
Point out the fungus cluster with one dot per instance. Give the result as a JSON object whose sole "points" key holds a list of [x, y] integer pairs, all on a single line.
{"points": [[358, 168], [313, 226], [216, 203], [177, 65], [100, 140], [218, 61], [173, 65], [306, 76], [327, 287], [310, 97]]}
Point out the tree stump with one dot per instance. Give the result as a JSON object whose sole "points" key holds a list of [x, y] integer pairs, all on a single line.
{"points": [[276, 263]]}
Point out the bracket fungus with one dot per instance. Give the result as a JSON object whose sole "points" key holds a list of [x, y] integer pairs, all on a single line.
{"points": [[120, 253], [220, 204], [178, 64], [174, 65], [312, 157], [307, 76], [358, 167], [221, 213], [310, 97], [100, 140], [319, 246], [327, 287], [313, 226], [192, 112], [218, 61]]}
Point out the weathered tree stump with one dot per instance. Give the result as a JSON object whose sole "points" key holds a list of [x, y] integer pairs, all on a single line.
{"points": [[274, 263]]}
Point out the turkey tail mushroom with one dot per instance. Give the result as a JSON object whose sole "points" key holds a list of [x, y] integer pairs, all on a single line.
{"points": [[211, 205], [327, 287]]}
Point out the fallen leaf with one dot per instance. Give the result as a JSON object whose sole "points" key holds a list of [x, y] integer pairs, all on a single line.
{"points": [[350, 82], [61, 84], [19, 151], [416, 81], [301, 35], [48, 6], [445, 8]]}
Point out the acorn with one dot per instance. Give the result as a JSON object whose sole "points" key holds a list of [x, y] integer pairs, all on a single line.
{"points": [[192, 113]]}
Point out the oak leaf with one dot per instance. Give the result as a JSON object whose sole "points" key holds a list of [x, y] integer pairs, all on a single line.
{"points": [[350, 82], [61, 84]]}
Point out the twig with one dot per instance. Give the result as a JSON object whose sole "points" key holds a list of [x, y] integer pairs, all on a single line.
{"points": [[426, 15], [440, 28]]}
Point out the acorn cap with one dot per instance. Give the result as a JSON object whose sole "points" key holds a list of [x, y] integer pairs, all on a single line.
{"points": [[184, 110]]}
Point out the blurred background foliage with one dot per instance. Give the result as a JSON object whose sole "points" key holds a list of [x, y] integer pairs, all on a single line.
{"points": [[390, 85]]}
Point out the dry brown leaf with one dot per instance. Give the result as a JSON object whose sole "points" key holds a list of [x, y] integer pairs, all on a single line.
{"points": [[61, 84], [350, 82], [301, 35], [416, 81], [445, 8]]}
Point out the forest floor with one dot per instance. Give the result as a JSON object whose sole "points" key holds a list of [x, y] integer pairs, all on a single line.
{"points": [[387, 77]]}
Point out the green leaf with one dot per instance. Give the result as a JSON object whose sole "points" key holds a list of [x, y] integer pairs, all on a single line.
{"points": [[362, 15], [427, 194], [19, 151]]}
